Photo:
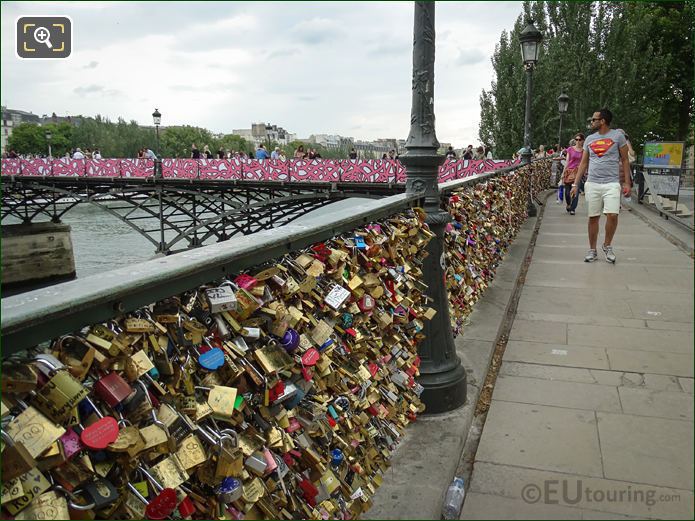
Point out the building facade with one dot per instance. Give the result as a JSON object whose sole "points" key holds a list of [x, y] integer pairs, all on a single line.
{"points": [[10, 119]]}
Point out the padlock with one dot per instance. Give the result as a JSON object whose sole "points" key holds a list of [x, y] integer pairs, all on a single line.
{"points": [[230, 458], [77, 354], [162, 505], [113, 389], [98, 435], [59, 396], [229, 490], [221, 298], [18, 378], [101, 492], [16, 459]]}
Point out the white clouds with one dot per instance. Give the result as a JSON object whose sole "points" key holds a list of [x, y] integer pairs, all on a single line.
{"points": [[470, 56], [318, 67], [317, 31]]}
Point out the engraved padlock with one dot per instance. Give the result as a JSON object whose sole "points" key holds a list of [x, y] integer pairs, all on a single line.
{"points": [[221, 298], [59, 396], [16, 459]]}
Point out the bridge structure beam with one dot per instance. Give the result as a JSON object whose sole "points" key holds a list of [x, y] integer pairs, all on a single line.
{"points": [[173, 215]]}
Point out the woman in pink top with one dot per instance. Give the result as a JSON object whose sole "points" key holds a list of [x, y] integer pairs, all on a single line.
{"points": [[574, 156]]}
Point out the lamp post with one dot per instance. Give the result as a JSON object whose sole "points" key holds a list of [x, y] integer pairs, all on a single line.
{"points": [[563, 101], [157, 118], [441, 372], [49, 136], [530, 39]]}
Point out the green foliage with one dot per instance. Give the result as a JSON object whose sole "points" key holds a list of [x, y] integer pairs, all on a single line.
{"points": [[636, 58]]}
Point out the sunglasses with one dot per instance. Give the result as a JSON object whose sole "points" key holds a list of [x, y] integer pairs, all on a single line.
{"points": [[579, 139], [596, 119]]}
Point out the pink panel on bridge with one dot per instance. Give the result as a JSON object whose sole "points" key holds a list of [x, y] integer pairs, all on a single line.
{"points": [[66, 167], [219, 168], [36, 167], [179, 168], [315, 170], [11, 167], [103, 168], [371, 171], [266, 170], [137, 168]]}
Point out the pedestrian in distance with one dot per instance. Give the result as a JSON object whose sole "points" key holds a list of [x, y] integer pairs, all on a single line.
{"points": [[195, 153], [605, 157], [221, 153], [468, 153], [479, 153], [78, 154], [569, 174], [275, 154], [299, 153], [450, 154], [261, 152], [353, 154], [206, 152]]}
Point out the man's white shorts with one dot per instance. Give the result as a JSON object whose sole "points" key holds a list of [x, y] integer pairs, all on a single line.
{"points": [[602, 197]]}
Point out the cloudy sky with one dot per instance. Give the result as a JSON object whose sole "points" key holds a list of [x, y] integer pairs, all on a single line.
{"points": [[310, 67]]}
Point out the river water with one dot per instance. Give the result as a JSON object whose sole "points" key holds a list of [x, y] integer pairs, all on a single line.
{"points": [[102, 242]]}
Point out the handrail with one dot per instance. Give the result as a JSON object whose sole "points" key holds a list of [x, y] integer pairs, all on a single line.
{"points": [[456, 184], [36, 316]]}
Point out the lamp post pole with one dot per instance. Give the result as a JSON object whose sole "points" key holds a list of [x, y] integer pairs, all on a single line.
{"points": [[49, 136], [441, 373], [562, 104], [530, 39]]}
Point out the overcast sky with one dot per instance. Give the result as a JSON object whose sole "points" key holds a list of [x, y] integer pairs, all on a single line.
{"points": [[310, 67]]}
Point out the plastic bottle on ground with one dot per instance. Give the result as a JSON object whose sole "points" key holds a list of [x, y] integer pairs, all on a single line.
{"points": [[453, 500]]}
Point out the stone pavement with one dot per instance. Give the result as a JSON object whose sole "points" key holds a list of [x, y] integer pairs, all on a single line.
{"points": [[596, 387]]}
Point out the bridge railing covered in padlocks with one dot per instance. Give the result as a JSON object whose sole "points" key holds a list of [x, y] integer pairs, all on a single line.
{"points": [[267, 377]]}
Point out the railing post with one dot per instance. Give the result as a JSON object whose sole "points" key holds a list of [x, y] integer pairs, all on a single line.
{"points": [[441, 372]]}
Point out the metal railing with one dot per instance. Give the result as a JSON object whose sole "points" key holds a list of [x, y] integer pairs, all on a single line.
{"points": [[40, 315]]}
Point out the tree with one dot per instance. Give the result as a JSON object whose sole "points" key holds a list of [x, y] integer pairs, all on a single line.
{"points": [[635, 58], [30, 138]]}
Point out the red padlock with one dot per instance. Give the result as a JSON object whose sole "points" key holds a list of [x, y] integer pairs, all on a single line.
{"points": [[113, 389]]}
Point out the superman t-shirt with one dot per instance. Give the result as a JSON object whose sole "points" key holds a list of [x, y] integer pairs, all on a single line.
{"points": [[604, 156]]}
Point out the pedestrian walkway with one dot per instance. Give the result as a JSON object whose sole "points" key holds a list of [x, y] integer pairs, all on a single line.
{"points": [[592, 412]]}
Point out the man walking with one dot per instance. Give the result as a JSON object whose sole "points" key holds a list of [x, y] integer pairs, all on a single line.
{"points": [[605, 152]]}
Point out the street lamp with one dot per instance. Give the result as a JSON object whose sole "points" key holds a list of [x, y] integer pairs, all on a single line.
{"points": [[441, 373], [157, 118], [563, 101], [530, 39], [49, 135]]}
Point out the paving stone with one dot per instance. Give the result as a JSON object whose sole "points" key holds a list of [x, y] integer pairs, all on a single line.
{"points": [[670, 326], [547, 372], [686, 384], [608, 303], [660, 382], [556, 354], [539, 436], [661, 404], [628, 338], [655, 451], [675, 364], [597, 320], [484, 506], [613, 378], [509, 482], [632, 380], [573, 395], [536, 331]]}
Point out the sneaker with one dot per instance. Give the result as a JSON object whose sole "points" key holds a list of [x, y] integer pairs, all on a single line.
{"points": [[571, 212], [591, 256], [608, 251]]}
